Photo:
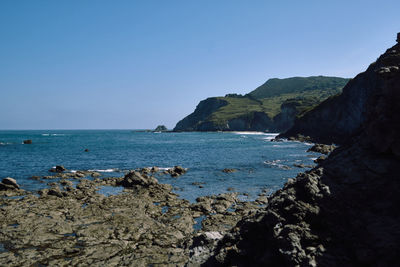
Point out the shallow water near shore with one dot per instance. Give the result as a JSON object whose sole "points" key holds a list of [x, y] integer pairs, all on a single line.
{"points": [[260, 163]]}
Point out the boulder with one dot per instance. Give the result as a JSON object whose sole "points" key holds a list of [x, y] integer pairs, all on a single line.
{"points": [[11, 182], [136, 178], [55, 192], [28, 142], [154, 169], [58, 168], [177, 171]]}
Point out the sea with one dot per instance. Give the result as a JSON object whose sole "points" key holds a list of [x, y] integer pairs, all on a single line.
{"points": [[262, 165]]}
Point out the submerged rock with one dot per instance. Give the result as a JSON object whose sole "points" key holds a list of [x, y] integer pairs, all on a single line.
{"points": [[27, 142], [229, 170]]}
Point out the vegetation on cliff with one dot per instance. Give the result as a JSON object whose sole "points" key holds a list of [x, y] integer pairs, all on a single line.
{"points": [[271, 107]]}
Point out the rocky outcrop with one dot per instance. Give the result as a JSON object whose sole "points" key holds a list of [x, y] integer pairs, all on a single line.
{"points": [[27, 142], [9, 184], [160, 128], [195, 121], [321, 148], [341, 213], [337, 118], [58, 168]]}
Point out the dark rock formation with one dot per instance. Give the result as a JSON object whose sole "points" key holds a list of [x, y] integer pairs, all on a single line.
{"points": [[341, 213], [10, 181], [135, 178], [321, 148], [337, 118], [58, 168], [160, 128], [177, 171], [9, 184], [27, 142]]}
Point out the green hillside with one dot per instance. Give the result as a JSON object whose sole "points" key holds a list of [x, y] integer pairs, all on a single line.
{"points": [[274, 87], [260, 108], [241, 107]]}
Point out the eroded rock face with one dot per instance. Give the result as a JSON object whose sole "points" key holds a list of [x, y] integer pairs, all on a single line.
{"points": [[336, 119], [341, 213]]}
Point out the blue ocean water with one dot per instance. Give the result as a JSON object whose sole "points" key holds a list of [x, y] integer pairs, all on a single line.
{"points": [[261, 164]]}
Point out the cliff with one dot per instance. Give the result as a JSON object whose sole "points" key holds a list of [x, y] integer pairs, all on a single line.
{"points": [[264, 109], [337, 118], [344, 211]]}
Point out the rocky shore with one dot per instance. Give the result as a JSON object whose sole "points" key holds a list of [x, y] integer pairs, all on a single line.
{"points": [[343, 212], [71, 223]]}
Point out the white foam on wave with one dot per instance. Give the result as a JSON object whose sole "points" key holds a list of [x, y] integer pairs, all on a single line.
{"points": [[47, 134], [106, 170], [4, 144], [254, 133], [164, 169]]}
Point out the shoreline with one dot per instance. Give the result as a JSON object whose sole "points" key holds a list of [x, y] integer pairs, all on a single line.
{"points": [[78, 225]]}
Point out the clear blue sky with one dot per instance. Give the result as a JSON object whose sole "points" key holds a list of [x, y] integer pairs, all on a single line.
{"points": [[83, 64]]}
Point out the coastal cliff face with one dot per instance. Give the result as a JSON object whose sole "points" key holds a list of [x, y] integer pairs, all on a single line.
{"points": [[345, 211], [337, 118], [271, 107], [195, 121]]}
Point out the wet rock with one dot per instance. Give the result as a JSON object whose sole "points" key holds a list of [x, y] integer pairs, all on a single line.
{"points": [[299, 137], [27, 142], [136, 178], [177, 171], [11, 182], [301, 165], [320, 159], [55, 192], [86, 150], [154, 169], [229, 170], [321, 148], [58, 168]]}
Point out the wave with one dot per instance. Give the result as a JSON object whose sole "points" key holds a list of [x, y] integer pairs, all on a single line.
{"points": [[4, 144], [255, 133], [106, 170], [47, 134], [277, 164]]}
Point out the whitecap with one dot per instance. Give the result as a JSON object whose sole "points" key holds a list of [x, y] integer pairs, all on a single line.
{"points": [[106, 170], [254, 133]]}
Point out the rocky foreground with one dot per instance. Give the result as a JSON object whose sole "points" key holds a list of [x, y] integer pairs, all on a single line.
{"points": [[70, 223], [343, 212]]}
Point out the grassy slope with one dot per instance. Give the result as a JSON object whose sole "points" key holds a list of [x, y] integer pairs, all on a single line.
{"points": [[274, 87], [242, 107]]}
